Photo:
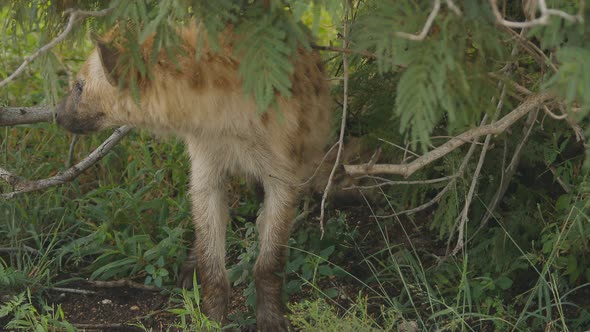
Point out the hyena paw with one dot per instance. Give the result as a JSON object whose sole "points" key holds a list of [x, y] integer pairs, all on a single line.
{"points": [[185, 279], [272, 323]]}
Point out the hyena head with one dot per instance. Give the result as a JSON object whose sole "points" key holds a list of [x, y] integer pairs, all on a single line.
{"points": [[90, 106]]}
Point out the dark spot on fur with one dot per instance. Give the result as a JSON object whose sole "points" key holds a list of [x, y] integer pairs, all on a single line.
{"points": [[265, 118], [196, 79]]}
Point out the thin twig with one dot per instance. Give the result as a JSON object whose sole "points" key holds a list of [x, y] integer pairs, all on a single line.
{"points": [[366, 54], [387, 182], [23, 186], [449, 185], [399, 147], [342, 123], [531, 48], [71, 150], [315, 172], [75, 16]]}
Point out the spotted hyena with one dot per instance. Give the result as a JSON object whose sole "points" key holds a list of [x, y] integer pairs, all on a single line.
{"points": [[201, 100]]}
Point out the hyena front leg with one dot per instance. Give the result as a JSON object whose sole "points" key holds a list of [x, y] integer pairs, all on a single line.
{"points": [[274, 225], [210, 217]]}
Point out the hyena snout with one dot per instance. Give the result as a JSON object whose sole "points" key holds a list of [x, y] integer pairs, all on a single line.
{"points": [[74, 120]]}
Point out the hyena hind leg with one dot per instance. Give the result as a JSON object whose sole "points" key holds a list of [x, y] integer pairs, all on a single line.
{"points": [[273, 230]]}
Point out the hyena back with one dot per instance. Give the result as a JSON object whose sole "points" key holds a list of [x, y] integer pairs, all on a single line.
{"points": [[201, 100]]}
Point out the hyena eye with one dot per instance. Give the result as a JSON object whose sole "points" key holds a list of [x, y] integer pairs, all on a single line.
{"points": [[78, 87]]}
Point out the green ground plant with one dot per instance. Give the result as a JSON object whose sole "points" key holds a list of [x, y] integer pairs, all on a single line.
{"points": [[525, 262]]}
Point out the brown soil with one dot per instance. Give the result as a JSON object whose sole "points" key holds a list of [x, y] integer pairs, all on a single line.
{"points": [[122, 308]]}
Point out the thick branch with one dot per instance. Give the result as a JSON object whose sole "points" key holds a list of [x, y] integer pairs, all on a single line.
{"points": [[12, 116], [495, 128], [23, 186]]}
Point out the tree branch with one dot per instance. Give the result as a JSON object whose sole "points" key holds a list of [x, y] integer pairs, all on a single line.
{"points": [[12, 116], [494, 128], [22, 186]]}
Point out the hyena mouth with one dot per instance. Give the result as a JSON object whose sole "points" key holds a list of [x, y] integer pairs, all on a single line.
{"points": [[80, 125]]}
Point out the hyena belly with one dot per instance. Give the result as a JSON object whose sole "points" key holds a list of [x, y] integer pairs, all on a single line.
{"points": [[203, 102]]}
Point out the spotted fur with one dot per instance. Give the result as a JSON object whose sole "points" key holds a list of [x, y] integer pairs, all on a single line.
{"points": [[201, 100]]}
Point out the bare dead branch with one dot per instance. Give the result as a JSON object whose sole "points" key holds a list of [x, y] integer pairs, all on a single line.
{"points": [[543, 19], [495, 128], [23, 186], [75, 17], [72, 290], [387, 182], [12, 116]]}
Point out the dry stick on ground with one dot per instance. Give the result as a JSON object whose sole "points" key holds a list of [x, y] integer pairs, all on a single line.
{"points": [[343, 122], [121, 283], [100, 327], [75, 17], [72, 290], [23, 186], [531, 103]]}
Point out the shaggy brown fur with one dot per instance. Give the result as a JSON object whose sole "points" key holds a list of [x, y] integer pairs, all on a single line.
{"points": [[202, 101]]}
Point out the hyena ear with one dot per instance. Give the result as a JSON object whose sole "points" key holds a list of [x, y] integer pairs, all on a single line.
{"points": [[109, 57]]}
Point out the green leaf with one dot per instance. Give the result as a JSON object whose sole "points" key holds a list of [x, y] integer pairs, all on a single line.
{"points": [[331, 292], [504, 282]]}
